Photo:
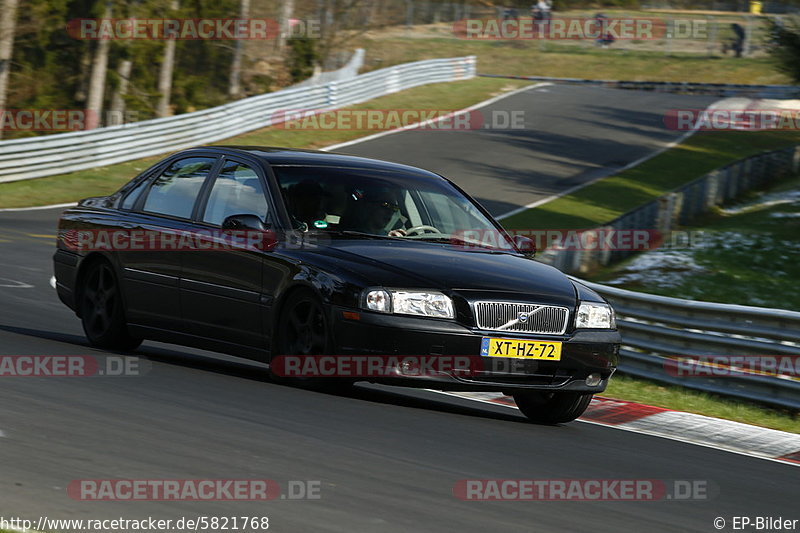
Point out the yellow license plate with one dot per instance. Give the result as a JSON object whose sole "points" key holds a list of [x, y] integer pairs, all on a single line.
{"points": [[521, 349]]}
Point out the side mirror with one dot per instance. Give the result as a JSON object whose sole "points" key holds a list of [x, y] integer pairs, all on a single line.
{"points": [[526, 245], [249, 232], [244, 222]]}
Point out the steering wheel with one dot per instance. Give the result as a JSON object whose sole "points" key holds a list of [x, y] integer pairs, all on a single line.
{"points": [[419, 230]]}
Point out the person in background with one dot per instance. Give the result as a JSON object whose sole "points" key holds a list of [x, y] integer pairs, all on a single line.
{"points": [[545, 7], [510, 13], [536, 13], [737, 43], [605, 38]]}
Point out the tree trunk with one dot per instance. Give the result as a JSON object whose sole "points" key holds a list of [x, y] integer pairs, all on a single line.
{"points": [[165, 75], [85, 70], [97, 82], [287, 12], [235, 82], [7, 30], [117, 108]]}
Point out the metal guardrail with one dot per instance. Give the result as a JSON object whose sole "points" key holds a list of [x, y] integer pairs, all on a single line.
{"points": [[717, 89], [658, 331], [49, 155], [661, 334], [667, 212]]}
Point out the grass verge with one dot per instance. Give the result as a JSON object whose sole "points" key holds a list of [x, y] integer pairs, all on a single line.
{"points": [[624, 387], [603, 201], [538, 58], [105, 180]]}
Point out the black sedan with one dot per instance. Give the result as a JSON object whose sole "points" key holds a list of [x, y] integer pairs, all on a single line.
{"points": [[332, 267]]}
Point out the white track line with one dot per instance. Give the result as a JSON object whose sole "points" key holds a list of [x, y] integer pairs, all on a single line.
{"points": [[36, 208], [14, 284], [668, 432], [437, 119]]}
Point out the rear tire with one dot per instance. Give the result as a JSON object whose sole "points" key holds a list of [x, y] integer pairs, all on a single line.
{"points": [[102, 313], [552, 407]]}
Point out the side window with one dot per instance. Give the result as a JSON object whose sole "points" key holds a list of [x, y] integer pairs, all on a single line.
{"points": [[236, 191], [134, 193], [175, 191]]}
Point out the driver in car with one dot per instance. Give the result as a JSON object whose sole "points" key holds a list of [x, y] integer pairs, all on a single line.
{"points": [[377, 212], [305, 200]]}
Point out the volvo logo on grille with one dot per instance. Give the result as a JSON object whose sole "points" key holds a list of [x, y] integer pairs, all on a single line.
{"points": [[522, 317]]}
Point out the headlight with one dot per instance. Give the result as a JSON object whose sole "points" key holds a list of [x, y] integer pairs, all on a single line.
{"points": [[595, 316], [420, 303]]}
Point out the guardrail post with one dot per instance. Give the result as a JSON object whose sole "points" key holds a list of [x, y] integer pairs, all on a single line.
{"points": [[472, 66], [724, 184], [393, 82], [666, 212], [332, 94], [576, 263], [589, 257], [604, 254]]}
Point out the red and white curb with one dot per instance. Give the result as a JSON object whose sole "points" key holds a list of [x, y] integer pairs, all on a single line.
{"points": [[701, 430]]}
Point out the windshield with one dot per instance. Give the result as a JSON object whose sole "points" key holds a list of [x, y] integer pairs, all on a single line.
{"points": [[384, 203]]}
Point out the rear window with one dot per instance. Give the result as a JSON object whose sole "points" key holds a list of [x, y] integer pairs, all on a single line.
{"points": [[175, 191]]}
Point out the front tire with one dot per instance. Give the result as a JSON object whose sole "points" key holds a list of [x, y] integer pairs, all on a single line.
{"points": [[303, 330], [102, 313], [552, 407]]}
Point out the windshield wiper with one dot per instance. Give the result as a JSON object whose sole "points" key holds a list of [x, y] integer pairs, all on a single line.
{"points": [[449, 239], [353, 233]]}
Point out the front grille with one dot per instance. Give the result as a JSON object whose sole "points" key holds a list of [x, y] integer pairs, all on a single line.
{"points": [[520, 317]]}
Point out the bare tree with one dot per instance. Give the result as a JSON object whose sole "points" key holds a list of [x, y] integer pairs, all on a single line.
{"points": [[7, 31], [97, 81], [167, 68], [287, 11], [117, 107], [339, 24], [84, 73], [234, 84]]}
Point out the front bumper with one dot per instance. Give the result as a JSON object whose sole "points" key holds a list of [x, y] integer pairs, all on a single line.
{"points": [[583, 353]]}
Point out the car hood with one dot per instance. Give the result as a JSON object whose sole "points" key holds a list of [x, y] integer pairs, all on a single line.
{"points": [[474, 273]]}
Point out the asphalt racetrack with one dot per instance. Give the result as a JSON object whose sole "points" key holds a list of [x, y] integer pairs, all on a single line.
{"points": [[386, 459]]}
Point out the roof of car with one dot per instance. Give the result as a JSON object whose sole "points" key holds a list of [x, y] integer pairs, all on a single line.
{"points": [[290, 156]]}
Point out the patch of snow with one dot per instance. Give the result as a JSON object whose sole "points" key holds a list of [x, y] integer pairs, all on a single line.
{"points": [[665, 269], [791, 197]]}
